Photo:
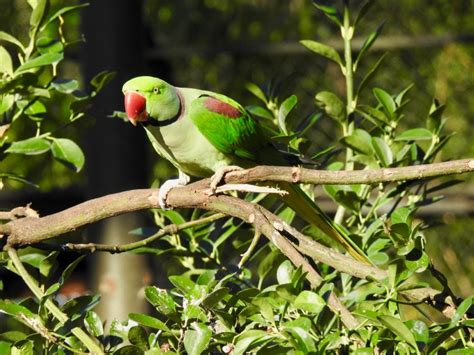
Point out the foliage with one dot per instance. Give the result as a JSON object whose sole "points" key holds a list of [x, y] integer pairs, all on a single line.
{"points": [[264, 304], [31, 87]]}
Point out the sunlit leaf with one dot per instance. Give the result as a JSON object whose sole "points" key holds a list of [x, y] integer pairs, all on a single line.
{"points": [[30, 146], [67, 151], [323, 50]]}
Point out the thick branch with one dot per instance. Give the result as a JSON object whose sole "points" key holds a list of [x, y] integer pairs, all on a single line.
{"points": [[348, 177]]}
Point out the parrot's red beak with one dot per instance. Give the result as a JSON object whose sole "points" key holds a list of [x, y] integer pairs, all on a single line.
{"points": [[135, 107]]}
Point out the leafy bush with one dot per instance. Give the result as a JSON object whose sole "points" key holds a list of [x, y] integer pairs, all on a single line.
{"points": [[219, 301]]}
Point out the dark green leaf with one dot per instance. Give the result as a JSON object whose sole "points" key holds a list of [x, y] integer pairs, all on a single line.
{"points": [[286, 107], [439, 340], [48, 264], [254, 89], [42, 60], [348, 199], [93, 324], [18, 178], [368, 43], [69, 269], [386, 100], [101, 79], [197, 339], [215, 297], [30, 146], [435, 116], [398, 328], [363, 11], [49, 45], [323, 50], [331, 104], [149, 321], [309, 301], [129, 350], [382, 151], [360, 141], [370, 74], [67, 151], [137, 336], [415, 134], [78, 306]]}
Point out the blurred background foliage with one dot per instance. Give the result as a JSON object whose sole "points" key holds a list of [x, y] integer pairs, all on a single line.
{"points": [[222, 45]]}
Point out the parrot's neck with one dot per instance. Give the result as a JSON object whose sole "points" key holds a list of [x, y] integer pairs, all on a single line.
{"points": [[179, 114]]}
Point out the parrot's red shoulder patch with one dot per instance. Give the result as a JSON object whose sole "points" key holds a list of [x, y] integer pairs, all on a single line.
{"points": [[222, 108]]}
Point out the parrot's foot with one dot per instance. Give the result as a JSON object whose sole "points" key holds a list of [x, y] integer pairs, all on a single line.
{"points": [[169, 185], [219, 175]]}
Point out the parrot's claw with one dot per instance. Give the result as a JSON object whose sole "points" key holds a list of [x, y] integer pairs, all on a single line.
{"points": [[219, 175], [169, 185]]}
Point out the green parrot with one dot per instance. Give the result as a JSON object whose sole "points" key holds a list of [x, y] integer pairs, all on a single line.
{"points": [[205, 134]]}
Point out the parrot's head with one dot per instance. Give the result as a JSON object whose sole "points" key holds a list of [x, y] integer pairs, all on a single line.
{"points": [[150, 99]]}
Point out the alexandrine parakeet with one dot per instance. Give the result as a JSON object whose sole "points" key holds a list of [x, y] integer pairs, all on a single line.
{"points": [[203, 133]]}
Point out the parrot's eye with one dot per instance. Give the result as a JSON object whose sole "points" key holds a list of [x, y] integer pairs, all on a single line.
{"points": [[156, 90]]}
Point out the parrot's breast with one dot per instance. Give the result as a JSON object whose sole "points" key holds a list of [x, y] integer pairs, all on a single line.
{"points": [[187, 149]]}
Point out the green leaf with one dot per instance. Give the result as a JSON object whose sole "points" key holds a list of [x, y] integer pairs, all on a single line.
{"points": [[215, 297], [6, 65], [382, 151], [129, 350], [6, 103], [160, 299], [48, 264], [309, 301], [286, 107], [42, 60], [197, 339], [348, 199], [402, 215], [184, 284], [68, 152], [69, 269], [77, 307], [360, 141], [259, 111], [49, 45], [304, 341], [137, 336], [248, 339], [15, 310], [330, 12], [323, 50], [17, 178], [420, 330], [30, 146], [461, 310], [63, 11], [370, 74], [398, 328], [363, 11], [434, 120], [38, 13], [149, 321], [368, 43], [285, 272], [331, 104], [417, 260], [375, 116], [65, 86], [254, 89], [9, 38], [36, 109], [99, 81], [93, 324], [386, 100], [415, 134]]}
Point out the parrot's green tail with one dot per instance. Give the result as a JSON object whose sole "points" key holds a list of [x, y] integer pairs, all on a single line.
{"points": [[307, 209]]}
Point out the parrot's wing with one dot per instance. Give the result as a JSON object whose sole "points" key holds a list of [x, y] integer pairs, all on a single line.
{"points": [[227, 126]]}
